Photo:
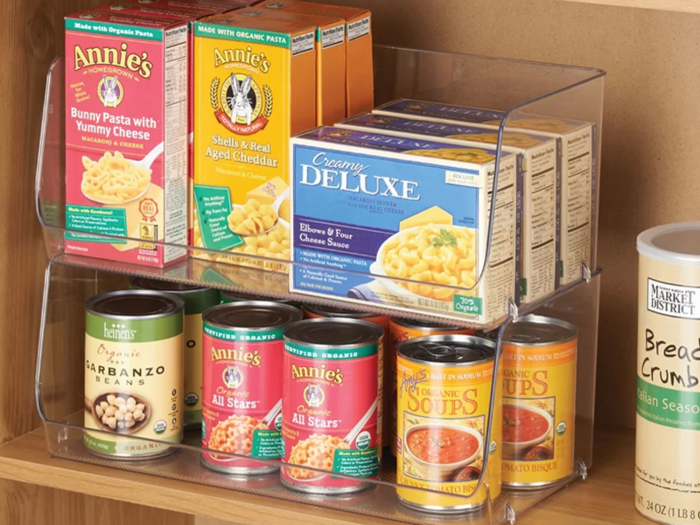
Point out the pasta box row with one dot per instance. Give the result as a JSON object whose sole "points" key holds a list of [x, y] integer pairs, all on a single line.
{"points": [[392, 209]]}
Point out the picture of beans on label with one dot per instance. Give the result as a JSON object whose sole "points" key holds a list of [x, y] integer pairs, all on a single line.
{"points": [[121, 412]]}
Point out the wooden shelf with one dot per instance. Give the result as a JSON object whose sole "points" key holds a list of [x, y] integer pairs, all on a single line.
{"points": [[607, 496], [684, 6]]}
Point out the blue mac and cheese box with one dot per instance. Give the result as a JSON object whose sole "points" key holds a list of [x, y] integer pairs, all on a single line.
{"points": [[578, 141], [404, 223], [541, 187]]}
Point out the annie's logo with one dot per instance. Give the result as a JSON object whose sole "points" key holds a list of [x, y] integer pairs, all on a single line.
{"points": [[110, 56], [673, 300], [240, 104], [317, 372], [118, 332], [231, 354]]}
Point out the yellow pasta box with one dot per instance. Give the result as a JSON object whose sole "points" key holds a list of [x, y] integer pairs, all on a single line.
{"points": [[126, 137], [330, 59], [255, 88], [404, 223], [359, 73]]}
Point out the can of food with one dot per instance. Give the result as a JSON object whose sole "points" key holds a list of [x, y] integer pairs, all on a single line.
{"points": [[242, 384], [539, 401], [400, 331], [668, 374], [197, 300], [331, 404], [134, 359], [232, 297], [444, 398], [317, 312]]}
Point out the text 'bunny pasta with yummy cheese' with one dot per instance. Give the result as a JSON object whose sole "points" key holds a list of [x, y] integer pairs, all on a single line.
{"points": [[126, 159], [255, 87]]}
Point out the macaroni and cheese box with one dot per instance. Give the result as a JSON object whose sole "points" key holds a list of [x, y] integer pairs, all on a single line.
{"points": [[255, 88], [370, 208], [330, 56], [578, 145], [126, 137], [541, 181], [359, 74]]}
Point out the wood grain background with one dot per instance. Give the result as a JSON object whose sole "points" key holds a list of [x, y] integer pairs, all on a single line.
{"points": [[649, 173]]}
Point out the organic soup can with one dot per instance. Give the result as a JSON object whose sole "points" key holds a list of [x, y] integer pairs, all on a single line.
{"points": [[444, 397], [668, 374], [197, 300], [243, 349], [331, 414], [400, 331], [539, 401], [134, 356]]}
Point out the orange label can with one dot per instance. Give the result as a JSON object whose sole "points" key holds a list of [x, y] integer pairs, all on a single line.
{"points": [[444, 397], [539, 398], [400, 331]]}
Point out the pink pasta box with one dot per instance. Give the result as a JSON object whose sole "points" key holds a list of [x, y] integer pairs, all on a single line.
{"points": [[126, 137]]}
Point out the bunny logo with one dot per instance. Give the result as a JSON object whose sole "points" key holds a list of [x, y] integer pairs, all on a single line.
{"points": [[314, 395], [232, 377], [110, 91], [119, 7], [381, 119], [275, 5], [417, 105], [240, 105]]}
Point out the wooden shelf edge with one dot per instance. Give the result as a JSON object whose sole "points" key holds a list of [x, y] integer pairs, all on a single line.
{"points": [[27, 460], [607, 496], [683, 6]]}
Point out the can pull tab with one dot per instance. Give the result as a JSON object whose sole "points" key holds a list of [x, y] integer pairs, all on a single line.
{"points": [[439, 351]]}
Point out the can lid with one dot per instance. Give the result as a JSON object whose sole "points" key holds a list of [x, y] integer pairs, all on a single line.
{"points": [[537, 330], [336, 311], [142, 283], [425, 325], [449, 349], [677, 243], [135, 304], [333, 332], [251, 315]]}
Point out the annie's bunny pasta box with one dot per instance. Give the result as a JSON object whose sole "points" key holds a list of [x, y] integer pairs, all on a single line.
{"points": [[371, 209], [126, 137], [255, 87]]}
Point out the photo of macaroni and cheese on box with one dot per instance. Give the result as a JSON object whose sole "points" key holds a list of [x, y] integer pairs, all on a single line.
{"points": [[403, 222], [541, 184], [578, 144]]}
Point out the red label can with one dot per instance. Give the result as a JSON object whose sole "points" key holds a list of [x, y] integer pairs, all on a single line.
{"points": [[242, 348], [330, 418]]}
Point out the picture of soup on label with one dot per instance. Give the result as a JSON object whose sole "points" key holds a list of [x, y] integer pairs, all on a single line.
{"points": [[528, 429]]}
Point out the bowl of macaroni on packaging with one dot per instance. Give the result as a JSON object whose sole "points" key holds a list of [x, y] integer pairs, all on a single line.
{"points": [[403, 222]]}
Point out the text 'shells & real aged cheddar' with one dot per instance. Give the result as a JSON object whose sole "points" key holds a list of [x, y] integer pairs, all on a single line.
{"points": [[126, 137], [255, 87]]}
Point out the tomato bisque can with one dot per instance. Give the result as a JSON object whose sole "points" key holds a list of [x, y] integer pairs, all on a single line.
{"points": [[539, 401], [667, 481], [317, 312], [197, 300], [400, 331], [330, 418], [134, 358], [243, 349], [444, 397]]}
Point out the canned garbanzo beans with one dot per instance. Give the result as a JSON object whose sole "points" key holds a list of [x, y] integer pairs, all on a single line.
{"points": [[243, 350], [232, 297], [539, 401], [331, 404], [444, 397], [316, 312], [134, 356], [400, 331], [197, 300]]}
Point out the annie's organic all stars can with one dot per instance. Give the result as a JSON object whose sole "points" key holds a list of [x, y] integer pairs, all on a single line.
{"points": [[445, 384], [667, 477], [243, 350], [133, 373], [539, 401], [197, 300], [331, 404], [400, 331]]}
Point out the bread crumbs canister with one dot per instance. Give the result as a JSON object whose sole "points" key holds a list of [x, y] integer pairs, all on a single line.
{"points": [[667, 478]]}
